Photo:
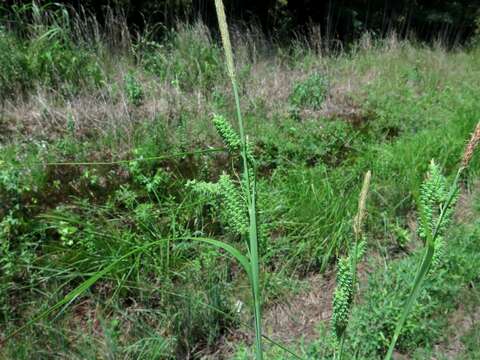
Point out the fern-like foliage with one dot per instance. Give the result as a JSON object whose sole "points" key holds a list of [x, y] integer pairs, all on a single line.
{"points": [[342, 298], [234, 205]]}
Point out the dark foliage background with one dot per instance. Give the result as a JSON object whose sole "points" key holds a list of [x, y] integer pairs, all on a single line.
{"points": [[452, 21]]}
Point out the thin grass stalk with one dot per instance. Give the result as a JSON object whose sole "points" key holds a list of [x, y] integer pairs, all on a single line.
{"points": [[251, 200], [338, 355], [424, 267], [85, 285]]}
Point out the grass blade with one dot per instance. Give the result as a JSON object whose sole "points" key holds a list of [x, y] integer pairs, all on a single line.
{"points": [[84, 286]]}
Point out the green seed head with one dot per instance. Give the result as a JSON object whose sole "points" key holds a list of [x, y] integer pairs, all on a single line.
{"points": [[228, 134], [433, 195], [234, 206], [342, 298]]}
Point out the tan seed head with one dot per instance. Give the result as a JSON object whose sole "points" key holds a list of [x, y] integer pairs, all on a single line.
{"points": [[358, 221], [470, 148], [222, 23]]}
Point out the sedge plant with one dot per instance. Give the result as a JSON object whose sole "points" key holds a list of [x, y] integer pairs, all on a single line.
{"points": [[436, 207], [249, 184], [347, 274]]}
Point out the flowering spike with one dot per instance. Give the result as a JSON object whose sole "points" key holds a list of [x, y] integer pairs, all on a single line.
{"points": [[472, 144], [228, 134], [342, 298], [235, 209]]}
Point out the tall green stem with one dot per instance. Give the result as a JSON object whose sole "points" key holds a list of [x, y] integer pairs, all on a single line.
{"points": [[417, 286], [253, 236]]}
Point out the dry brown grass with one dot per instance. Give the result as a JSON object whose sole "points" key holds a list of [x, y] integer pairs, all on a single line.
{"points": [[44, 115]]}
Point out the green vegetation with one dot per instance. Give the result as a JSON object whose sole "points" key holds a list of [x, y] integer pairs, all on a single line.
{"points": [[346, 278], [129, 226], [309, 94], [46, 56], [435, 212], [133, 89]]}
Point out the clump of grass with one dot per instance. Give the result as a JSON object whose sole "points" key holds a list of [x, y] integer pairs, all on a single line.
{"points": [[310, 93], [45, 54], [189, 59]]}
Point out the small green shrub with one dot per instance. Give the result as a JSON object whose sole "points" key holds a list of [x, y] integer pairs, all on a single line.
{"points": [[133, 89], [310, 93], [57, 63], [11, 228], [401, 235]]}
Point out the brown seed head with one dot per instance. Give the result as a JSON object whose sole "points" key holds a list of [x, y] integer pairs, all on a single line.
{"points": [[470, 148]]}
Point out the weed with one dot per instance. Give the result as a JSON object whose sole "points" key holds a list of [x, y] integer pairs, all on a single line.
{"points": [[436, 208], [134, 89], [310, 93]]}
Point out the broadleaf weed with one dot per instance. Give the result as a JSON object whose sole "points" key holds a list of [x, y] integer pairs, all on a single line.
{"points": [[134, 89]]}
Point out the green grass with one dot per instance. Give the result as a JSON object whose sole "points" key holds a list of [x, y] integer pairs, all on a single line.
{"points": [[374, 318], [396, 106]]}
